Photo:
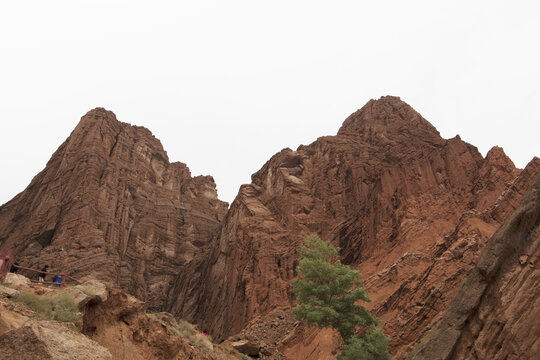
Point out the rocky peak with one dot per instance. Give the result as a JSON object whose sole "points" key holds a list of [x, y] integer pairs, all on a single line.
{"points": [[110, 202], [99, 113], [497, 157], [388, 117], [408, 209]]}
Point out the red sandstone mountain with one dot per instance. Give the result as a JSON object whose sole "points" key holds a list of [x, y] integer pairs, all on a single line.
{"points": [[409, 209], [109, 202]]}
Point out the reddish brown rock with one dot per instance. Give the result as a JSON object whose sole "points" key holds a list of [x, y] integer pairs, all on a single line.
{"points": [[121, 325], [247, 347], [409, 209], [49, 340], [110, 203], [495, 313], [116, 326]]}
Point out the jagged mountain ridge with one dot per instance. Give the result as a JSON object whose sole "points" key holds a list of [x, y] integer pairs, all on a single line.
{"points": [[110, 202], [409, 209]]}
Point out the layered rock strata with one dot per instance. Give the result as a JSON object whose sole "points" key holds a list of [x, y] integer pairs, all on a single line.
{"points": [[110, 203], [494, 315], [49, 340], [114, 326], [408, 208], [411, 210]]}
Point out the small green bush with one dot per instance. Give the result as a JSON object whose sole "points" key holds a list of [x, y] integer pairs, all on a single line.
{"points": [[39, 304], [186, 329], [65, 308], [201, 342], [61, 307], [108, 285]]}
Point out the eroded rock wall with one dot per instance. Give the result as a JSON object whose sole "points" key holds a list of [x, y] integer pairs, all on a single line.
{"points": [[494, 315], [109, 202], [409, 209]]}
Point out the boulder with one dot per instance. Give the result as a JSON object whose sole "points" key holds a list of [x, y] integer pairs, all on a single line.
{"points": [[17, 281], [6, 291], [247, 347], [88, 291], [48, 340]]}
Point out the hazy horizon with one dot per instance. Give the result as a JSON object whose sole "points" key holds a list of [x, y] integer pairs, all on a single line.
{"points": [[224, 86]]}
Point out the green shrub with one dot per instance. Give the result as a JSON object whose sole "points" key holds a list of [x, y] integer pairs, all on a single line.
{"points": [[61, 307], [372, 344], [186, 329], [39, 304], [327, 293], [201, 342], [108, 285], [65, 308]]}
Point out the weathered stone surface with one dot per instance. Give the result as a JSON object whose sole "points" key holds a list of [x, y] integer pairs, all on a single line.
{"points": [[110, 203], [88, 292], [247, 347], [10, 320], [268, 334], [7, 291], [121, 325], [17, 281], [495, 313], [49, 340], [409, 209]]}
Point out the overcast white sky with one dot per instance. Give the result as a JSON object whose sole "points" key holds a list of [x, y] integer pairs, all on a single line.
{"points": [[226, 84]]}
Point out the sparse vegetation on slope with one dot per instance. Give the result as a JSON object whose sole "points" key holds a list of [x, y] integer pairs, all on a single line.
{"points": [[59, 307], [112, 320], [187, 331]]}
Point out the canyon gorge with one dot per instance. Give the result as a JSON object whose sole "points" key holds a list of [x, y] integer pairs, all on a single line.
{"points": [[446, 239]]}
